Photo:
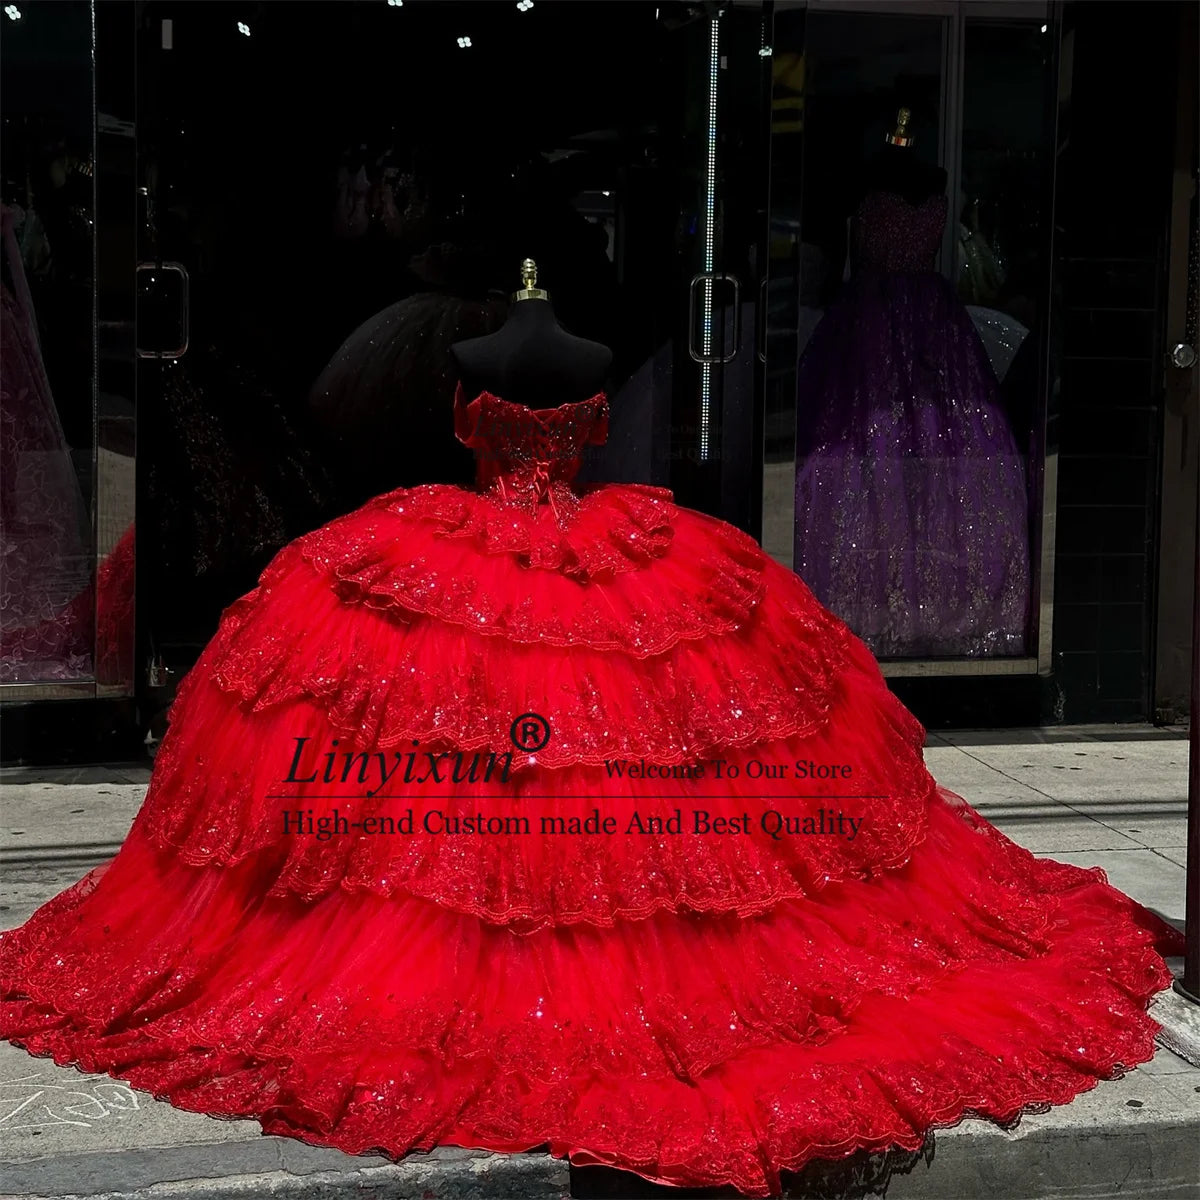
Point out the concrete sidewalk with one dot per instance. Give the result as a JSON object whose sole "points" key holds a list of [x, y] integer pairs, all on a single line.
{"points": [[1113, 797]]}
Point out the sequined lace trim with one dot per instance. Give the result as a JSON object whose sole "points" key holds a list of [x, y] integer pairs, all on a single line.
{"points": [[384, 683], [710, 584], [214, 803], [715, 1054], [588, 536]]}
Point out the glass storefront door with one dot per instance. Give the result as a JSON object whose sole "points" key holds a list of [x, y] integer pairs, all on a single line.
{"points": [[907, 324], [334, 193], [327, 195], [66, 404]]}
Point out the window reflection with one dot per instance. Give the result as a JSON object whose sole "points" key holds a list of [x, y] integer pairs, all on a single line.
{"points": [[46, 386]]}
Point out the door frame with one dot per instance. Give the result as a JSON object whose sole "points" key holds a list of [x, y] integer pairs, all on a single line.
{"points": [[1172, 663]]}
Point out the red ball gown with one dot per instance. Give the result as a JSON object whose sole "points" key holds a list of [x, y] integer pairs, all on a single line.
{"points": [[531, 816]]}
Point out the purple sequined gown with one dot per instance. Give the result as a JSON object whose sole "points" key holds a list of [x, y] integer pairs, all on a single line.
{"points": [[911, 503]]}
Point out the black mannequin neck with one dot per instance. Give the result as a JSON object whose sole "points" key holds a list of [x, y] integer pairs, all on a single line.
{"points": [[895, 169], [532, 360], [531, 315]]}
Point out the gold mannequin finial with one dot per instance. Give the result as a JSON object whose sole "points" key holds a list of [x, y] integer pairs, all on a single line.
{"points": [[529, 277], [900, 136]]}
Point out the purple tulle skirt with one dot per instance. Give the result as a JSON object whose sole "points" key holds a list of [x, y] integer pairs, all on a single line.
{"points": [[911, 494]]}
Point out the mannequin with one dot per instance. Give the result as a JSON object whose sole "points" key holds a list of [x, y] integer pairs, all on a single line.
{"points": [[531, 359], [895, 168], [903, 450]]}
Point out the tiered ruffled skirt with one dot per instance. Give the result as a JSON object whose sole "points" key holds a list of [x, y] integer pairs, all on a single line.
{"points": [[702, 1008]]}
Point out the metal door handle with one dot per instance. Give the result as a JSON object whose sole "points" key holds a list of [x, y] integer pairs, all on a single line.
{"points": [[715, 277], [1183, 356], [762, 321], [176, 268]]}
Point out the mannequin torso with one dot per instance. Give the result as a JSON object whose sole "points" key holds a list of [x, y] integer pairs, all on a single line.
{"points": [[532, 360]]}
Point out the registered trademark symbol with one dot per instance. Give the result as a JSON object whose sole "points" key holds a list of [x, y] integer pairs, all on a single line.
{"points": [[530, 732]]}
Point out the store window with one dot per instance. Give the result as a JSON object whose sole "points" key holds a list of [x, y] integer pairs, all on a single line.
{"points": [[47, 423], [911, 190]]}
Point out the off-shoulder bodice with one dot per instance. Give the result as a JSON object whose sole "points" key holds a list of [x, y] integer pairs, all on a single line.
{"points": [[522, 451]]}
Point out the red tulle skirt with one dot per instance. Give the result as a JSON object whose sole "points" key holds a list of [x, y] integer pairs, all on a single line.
{"points": [[360, 907]]}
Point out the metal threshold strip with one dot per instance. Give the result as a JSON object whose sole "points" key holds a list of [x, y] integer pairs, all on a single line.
{"points": [[933, 667]]}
